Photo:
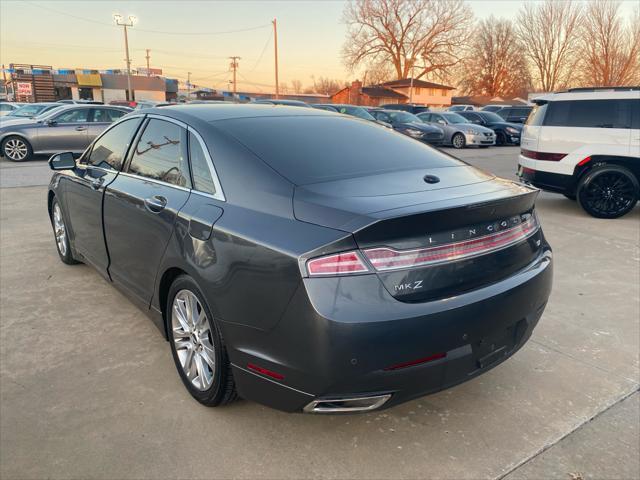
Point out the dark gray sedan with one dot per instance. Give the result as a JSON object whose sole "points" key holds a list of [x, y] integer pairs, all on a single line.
{"points": [[458, 131], [303, 259], [67, 129]]}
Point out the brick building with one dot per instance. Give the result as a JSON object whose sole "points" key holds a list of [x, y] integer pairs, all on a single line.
{"points": [[371, 96]]}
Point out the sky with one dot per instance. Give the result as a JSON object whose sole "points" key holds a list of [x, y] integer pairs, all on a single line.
{"points": [[191, 36]]}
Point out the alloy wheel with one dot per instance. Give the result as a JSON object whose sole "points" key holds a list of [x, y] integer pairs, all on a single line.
{"points": [[458, 141], [16, 149], [59, 229], [610, 193], [193, 339]]}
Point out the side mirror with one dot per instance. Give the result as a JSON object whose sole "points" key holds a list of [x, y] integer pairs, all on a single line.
{"points": [[51, 123], [62, 161]]}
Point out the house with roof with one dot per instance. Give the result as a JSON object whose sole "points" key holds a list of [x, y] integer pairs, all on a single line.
{"points": [[482, 100], [370, 96], [422, 92]]}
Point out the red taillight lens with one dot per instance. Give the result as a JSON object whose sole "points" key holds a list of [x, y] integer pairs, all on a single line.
{"points": [[389, 259], [264, 371], [418, 361], [338, 264], [553, 157], [584, 161]]}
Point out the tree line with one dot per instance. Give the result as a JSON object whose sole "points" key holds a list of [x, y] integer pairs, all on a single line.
{"points": [[550, 45]]}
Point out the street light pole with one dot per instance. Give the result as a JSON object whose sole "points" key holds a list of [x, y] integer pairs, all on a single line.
{"points": [[129, 23]]}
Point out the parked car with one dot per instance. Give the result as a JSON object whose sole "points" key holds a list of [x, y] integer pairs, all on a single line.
{"points": [[289, 103], [30, 110], [354, 111], [493, 108], [506, 133], [406, 107], [328, 108], [410, 125], [139, 105], [515, 114], [81, 102], [71, 128], [461, 108], [360, 270], [586, 145], [458, 132], [7, 107]]}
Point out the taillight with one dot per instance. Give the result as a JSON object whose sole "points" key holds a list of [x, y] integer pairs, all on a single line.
{"points": [[337, 264], [390, 259], [553, 157]]}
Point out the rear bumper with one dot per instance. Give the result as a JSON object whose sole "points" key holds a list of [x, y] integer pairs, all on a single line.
{"points": [[550, 181], [339, 337]]}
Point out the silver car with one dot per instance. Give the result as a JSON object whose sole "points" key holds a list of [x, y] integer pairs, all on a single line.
{"points": [[458, 132], [70, 128]]}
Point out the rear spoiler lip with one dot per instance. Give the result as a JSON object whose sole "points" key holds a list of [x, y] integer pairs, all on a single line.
{"points": [[469, 202]]}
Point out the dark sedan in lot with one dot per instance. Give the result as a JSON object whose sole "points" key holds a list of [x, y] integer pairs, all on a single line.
{"points": [[410, 125], [506, 133], [305, 260], [67, 128]]}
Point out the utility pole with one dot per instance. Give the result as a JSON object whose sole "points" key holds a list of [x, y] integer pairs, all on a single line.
{"points": [[413, 61], [275, 47], [188, 85], [131, 20], [148, 57], [234, 67]]}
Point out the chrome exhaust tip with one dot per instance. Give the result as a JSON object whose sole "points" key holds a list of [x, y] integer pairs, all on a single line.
{"points": [[347, 405]]}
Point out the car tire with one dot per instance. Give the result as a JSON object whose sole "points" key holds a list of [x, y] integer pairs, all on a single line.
{"points": [[458, 141], [608, 191], [197, 347], [16, 149], [500, 139], [60, 234]]}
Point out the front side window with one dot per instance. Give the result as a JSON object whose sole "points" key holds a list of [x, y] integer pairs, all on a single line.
{"points": [[110, 149], [161, 153], [79, 115], [200, 171]]}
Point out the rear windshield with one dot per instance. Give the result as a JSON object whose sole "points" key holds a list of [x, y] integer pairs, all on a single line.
{"points": [[310, 149]]}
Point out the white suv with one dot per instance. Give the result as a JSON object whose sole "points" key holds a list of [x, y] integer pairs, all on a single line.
{"points": [[585, 144]]}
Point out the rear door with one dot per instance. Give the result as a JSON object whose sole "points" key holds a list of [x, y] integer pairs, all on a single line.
{"points": [[85, 188], [141, 205]]}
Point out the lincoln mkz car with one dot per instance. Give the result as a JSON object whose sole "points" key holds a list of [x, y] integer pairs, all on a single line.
{"points": [[67, 128], [305, 260]]}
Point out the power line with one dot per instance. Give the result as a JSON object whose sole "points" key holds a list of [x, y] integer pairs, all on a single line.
{"points": [[264, 49], [240, 30]]}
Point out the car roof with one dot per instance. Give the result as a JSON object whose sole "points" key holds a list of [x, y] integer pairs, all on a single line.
{"points": [[589, 95], [213, 112]]}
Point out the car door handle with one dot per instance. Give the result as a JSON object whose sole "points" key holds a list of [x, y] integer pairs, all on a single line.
{"points": [[81, 129], [155, 204], [97, 183]]}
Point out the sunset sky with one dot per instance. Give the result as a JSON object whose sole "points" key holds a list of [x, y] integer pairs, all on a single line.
{"points": [[191, 36]]}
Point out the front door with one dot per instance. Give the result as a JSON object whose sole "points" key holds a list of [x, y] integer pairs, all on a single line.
{"points": [[141, 206], [65, 132], [86, 186]]}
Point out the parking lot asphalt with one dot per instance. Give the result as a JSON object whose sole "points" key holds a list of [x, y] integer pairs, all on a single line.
{"points": [[88, 388]]}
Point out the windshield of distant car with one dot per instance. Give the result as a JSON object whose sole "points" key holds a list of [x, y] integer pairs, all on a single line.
{"points": [[319, 148], [490, 117], [454, 118], [51, 111], [356, 112], [402, 117], [29, 110], [457, 108]]}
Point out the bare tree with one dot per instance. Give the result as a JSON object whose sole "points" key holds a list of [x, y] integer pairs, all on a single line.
{"points": [[296, 85], [610, 52], [421, 35], [377, 73], [326, 86], [549, 35], [496, 64]]}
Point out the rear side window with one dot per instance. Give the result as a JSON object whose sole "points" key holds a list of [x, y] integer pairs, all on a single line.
{"points": [[200, 171], [106, 115], [161, 153], [635, 114], [537, 115], [589, 114], [110, 149], [311, 149]]}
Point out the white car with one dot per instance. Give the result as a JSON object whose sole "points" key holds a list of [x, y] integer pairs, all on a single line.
{"points": [[461, 108], [585, 144], [7, 107]]}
